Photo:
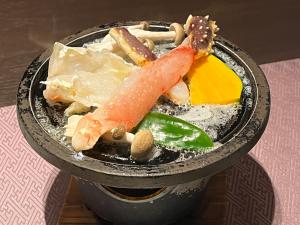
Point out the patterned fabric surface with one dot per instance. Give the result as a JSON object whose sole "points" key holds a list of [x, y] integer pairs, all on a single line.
{"points": [[26, 179], [28, 194], [250, 196], [279, 148]]}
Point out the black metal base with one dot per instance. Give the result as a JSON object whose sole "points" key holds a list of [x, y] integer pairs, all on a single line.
{"points": [[165, 206]]}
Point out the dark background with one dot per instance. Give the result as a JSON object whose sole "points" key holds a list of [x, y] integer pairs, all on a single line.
{"points": [[268, 30]]}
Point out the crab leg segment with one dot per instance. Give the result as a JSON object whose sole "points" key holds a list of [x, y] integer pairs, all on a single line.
{"points": [[138, 52]]}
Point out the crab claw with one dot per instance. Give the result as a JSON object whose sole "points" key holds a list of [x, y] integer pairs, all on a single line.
{"points": [[201, 32]]}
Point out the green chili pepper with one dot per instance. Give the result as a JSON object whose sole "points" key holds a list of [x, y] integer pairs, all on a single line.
{"points": [[174, 132]]}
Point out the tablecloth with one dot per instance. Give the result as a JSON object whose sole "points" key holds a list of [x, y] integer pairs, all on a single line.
{"points": [[28, 194]]}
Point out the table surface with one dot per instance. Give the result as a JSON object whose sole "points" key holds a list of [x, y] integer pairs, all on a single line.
{"points": [[268, 30]]}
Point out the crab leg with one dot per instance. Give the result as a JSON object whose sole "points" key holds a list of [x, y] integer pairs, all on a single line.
{"points": [[140, 91], [138, 94], [138, 52]]}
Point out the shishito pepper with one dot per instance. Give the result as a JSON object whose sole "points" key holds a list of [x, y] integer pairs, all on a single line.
{"points": [[174, 132]]}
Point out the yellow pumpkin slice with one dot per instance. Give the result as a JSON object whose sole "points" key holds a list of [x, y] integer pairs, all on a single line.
{"points": [[212, 82]]}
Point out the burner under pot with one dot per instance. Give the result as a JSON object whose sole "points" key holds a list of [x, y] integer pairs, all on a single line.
{"points": [[124, 206]]}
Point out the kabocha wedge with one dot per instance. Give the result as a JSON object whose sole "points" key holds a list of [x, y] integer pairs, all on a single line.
{"points": [[213, 82]]}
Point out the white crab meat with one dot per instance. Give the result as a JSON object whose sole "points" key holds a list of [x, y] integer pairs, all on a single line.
{"points": [[77, 74], [179, 93]]}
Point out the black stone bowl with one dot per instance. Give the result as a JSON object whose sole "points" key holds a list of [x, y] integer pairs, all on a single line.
{"points": [[42, 125]]}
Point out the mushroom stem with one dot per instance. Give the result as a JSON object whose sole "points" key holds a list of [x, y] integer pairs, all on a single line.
{"points": [[141, 143], [144, 25], [175, 33], [127, 138], [154, 35]]}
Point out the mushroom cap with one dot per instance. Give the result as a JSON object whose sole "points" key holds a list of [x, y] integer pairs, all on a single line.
{"points": [[141, 145], [145, 25], [149, 43], [118, 132], [179, 31]]}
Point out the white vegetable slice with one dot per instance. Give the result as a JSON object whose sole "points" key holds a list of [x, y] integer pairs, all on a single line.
{"points": [[81, 75]]}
